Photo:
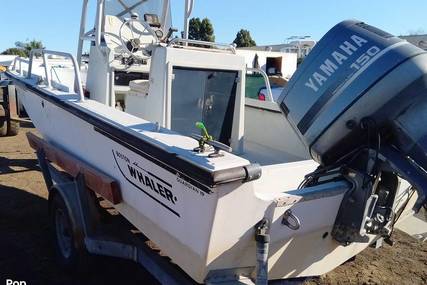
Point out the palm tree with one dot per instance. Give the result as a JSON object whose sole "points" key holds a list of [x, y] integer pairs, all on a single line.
{"points": [[28, 46]]}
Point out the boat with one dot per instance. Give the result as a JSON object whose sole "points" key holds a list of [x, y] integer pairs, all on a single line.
{"points": [[323, 173], [6, 60]]}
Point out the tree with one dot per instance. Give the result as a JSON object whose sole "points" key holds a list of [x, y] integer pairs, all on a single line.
{"points": [[23, 49], [207, 31], [28, 46], [244, 39], [201, 30], [15, 51], [194, 29]]}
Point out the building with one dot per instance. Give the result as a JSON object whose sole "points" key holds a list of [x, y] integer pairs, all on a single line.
{"points": [[301, 47], [272, 62], [417, 40]]}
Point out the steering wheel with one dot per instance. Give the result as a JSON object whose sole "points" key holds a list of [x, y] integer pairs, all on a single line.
{"points": [[134, 44]]}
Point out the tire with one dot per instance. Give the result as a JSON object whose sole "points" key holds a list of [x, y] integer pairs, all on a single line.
{"points": [[3, 122], [70, 256], [10, 128]]}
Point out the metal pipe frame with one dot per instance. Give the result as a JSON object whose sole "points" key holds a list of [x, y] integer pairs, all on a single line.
{"points": [[267, 82], [19, 61], [166, 7], [44, 54], [95, 34], [189, 5], [82, 32], [128, 9], [98, 22], [229, 47]]}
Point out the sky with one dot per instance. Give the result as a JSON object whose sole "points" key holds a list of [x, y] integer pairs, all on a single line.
{"points": [[56, 22]]}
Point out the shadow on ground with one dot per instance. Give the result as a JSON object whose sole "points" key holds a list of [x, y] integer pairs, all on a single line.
{"points": [[26, 250], [8, 166]]}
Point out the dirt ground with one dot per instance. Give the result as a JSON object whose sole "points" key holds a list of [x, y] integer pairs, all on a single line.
{"points": [[26, 252]]}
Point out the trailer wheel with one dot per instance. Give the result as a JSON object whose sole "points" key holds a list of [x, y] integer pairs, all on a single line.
{"points": [[70, 256], [3, 122], [7, 128]]}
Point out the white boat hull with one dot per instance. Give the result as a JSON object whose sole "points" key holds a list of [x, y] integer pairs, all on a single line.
{"points": [[208, 229]]}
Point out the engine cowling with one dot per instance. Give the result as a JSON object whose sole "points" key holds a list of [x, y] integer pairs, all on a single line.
{"points": [[358, 72], [359, 103]]}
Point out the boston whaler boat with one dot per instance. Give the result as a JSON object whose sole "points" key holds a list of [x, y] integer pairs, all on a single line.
{"points": [[356, 105]]}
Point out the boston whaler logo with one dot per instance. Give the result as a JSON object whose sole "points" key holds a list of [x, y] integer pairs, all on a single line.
{"points": [[338, 57], [155, 187]]}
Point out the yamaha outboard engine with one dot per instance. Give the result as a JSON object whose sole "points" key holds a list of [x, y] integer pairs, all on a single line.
{"points": [[359, 103]]}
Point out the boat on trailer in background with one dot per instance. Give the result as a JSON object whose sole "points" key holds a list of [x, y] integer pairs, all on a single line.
{"points": [[312, 177]]}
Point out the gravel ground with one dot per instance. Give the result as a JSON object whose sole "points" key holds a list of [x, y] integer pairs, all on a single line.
{"points": [[26, 252]]}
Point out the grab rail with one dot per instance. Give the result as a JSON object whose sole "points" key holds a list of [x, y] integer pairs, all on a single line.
{"points": [[267, 82], [18, 60], [229, 47], [44, 52]]}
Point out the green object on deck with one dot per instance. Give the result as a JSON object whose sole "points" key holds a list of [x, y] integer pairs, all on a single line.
{"points": [[205, 136], [202, 127]]}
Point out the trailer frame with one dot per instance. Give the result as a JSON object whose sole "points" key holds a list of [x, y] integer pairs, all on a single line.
{"points": [[8, 101]]}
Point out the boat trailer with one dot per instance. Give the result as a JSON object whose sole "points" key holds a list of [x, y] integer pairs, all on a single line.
{"points": [[9, 120], [75, 191]]}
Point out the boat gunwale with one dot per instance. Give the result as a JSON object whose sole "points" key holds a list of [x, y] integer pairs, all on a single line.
{"points": [[192, 173]]}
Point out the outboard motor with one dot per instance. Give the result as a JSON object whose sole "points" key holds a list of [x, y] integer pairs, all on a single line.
{"points": [[359, 103]]}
